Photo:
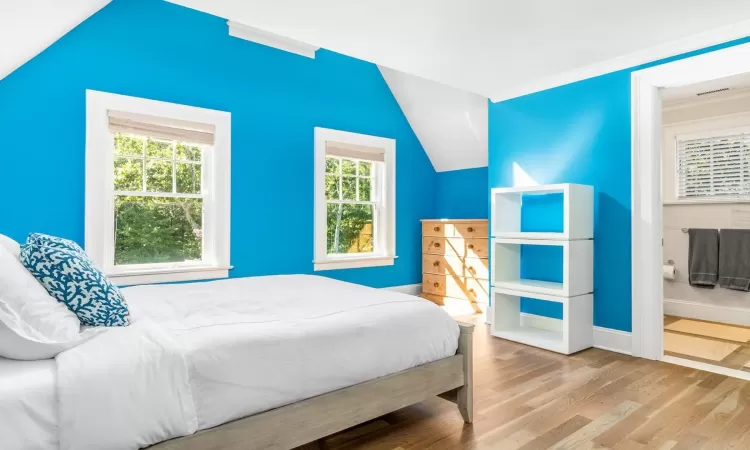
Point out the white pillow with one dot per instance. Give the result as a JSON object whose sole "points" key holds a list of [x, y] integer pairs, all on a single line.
{"points": [[19, 341], [28, 310], [12, 246]]}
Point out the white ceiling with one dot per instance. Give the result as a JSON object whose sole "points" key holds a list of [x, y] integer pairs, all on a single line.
{"points": [[451, 124], [497, 48], [688, 93], [29, 26]]}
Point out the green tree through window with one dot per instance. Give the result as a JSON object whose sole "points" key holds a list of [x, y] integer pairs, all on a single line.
{"points": [[158, 201]]}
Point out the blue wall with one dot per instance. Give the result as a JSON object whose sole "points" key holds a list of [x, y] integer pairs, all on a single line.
{"points": [[579, 133], [462, 194], [157, 50]]}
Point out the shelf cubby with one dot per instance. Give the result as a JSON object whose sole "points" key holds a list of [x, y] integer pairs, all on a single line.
{"points": [[571, 334], [577, 210], [577, 267]]}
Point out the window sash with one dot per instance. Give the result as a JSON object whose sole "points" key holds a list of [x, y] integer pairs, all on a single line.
{"points": [[713, 166]]}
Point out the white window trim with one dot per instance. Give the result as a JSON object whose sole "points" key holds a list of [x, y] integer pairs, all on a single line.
{"points": [[704, 134], [100, 238], [386, 257]]}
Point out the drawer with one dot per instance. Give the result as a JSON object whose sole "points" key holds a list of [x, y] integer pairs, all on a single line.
{"points": [[441, 229], [436, 299], [456, 287], [455, 266], [473, 248], [471, 230]]}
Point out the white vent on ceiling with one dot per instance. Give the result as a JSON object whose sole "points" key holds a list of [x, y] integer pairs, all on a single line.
{"points": [[712, 92]]}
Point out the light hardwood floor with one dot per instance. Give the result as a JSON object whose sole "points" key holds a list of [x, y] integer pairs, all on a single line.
{"points": [[526, 398]]}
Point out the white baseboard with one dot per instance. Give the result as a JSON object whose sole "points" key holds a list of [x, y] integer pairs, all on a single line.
{"points": [[411, 289], [613, 340], [604, 338], [713, 313]]}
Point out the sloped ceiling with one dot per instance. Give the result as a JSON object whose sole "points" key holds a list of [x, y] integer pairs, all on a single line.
{"points": [[496, 48], [27, 27], [451, 124]]}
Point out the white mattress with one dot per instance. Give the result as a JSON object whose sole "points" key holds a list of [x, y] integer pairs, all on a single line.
{"points": [[28, 408], [253, 344], [257, 343]]}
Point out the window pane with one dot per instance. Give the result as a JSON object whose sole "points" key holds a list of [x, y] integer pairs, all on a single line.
{"points": [[158, 149], [332, 165], [350, 229], [365, 168], [128, 174], [332, 187], [188, 178], [187, 152], [152, 230], [365, 188], [159, 176], [348, 167], [349, 188], [128, 145]]}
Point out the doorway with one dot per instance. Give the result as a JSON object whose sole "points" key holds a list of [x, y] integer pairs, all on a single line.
{"points": [[649, 86]]}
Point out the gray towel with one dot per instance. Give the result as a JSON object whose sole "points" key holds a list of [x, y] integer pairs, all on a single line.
{"points": [[734, 259], [703, 257]]}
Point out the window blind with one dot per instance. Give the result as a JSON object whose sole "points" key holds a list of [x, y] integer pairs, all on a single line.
{"points": [[344, 150], [714, 167], [161, 128]]}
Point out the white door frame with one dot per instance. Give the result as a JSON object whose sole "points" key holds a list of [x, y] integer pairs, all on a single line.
{"points": [[647, 228]]}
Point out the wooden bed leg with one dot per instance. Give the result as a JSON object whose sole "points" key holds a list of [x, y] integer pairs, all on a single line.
{"points": [[465, 394]]}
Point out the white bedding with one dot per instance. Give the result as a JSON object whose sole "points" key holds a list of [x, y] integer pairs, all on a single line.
{"points": [[28, 407], [253, 344]]}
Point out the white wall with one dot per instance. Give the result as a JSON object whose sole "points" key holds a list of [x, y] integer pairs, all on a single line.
{"points": [[729, 113]]}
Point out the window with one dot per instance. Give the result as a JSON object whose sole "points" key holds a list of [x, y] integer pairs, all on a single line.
{"points": [[354, 200], [713, 166], [157, 197]]}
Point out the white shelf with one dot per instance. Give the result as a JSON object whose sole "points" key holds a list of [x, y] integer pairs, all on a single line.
{"points": [[576, 330], [548, 340], [532, 286], [578, 211], [530, 235], [577, 267]]}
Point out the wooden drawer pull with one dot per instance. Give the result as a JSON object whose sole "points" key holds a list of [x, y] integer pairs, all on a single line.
{"points": [[436, 264], [470, 229], [471, 246], [437, 244], [436, 229], [436, 284]]}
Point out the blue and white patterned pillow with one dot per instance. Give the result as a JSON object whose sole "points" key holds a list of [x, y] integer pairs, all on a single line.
{"points": [[46, 240], [72, 279]]}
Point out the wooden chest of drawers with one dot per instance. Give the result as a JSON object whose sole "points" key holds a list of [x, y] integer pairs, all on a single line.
{"points": [[454, 262]]}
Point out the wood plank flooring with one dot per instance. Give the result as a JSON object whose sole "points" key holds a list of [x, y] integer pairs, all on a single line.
{"points": [[526, 398], [708, 342]]}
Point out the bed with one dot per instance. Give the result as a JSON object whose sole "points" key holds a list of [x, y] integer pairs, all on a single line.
{"points": [[265, 362]]}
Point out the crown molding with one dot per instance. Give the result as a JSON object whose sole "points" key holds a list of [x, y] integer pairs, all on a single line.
{"points": [[631, 60], [268, 39]]}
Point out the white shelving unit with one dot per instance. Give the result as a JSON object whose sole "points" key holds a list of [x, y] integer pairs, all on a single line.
{"points": [[578, 212], [575, 332]]}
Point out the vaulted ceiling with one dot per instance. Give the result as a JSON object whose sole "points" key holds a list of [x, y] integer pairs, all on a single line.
{"points": [[433, 53], [27, 27], [496, 48]]}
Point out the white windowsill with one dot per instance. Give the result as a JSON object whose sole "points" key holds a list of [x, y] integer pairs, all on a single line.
{"points": [[354, 262], [169, 275]]}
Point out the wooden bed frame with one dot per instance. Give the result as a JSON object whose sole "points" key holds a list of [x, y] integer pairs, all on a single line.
{"points": [[315, 418]]}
